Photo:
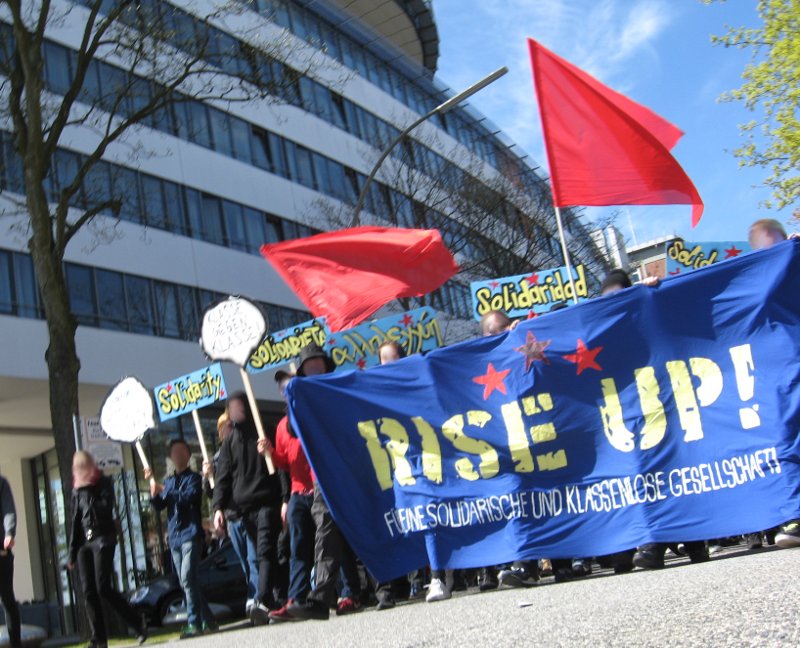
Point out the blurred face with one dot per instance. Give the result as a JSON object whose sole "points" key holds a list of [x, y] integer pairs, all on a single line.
{"points": [[315, 367], [282, 387], [236, 411], [611, 289], [389, 354], [494, 326], [761, 238], [179, 454], [82, 468]]}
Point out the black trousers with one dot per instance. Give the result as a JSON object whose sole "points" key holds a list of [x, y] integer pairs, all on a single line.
{"points": [[96, 565], [329, 548], [263, 526], [10, 606]]}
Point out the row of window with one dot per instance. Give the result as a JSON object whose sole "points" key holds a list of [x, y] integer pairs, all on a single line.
{"points": [[121, 302]]}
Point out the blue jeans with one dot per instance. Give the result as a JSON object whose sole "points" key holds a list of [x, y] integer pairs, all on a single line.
{"points": [[245, 550], [186, 559], [301, 533]]}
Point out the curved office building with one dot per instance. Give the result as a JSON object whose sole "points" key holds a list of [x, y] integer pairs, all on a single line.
{"points": [[218, 179]]}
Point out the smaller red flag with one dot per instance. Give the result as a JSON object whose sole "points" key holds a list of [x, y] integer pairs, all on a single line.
{"points": [[602, 147], [349, 274]]}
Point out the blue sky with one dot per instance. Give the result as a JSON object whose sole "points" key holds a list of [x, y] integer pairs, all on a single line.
{"points": [[658, 52]]}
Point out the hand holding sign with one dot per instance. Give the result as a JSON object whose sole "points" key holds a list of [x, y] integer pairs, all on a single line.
{"points": [[231, 331], [127, 413]]}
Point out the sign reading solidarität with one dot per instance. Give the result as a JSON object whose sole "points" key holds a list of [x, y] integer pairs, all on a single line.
{"points": [[190, 392], [660, 414], [357, 348], [683, 256], [517, 296]]}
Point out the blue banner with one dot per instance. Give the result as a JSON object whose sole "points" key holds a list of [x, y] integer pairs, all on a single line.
{"points": [[683, 256], [521, 295], [662, 414], [190, 392], [416, 331], [284, 346]]}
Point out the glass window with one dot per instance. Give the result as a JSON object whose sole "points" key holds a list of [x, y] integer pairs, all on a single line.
{"points": [[338, 182], [278, 156], [323, 102], [57, 68], [305, 169], [175, 210], [194, 211], [261, 152], [274, 230], [114, 88], [125, 184], [338, 112], [139, 302], [234, 225], [26, 290], [67, 165], [221, 131], [255, 225], [200, 130], [166, 301], [13, 178], [181, 120], [212, 220], [97, 184], [80, 284], [241, 135], [6, 287], [111, 300], [190, 327], [90, 90], [307, 95], [153, 200], [321, 173]]}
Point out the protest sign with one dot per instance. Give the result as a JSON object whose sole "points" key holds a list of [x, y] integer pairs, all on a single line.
{"points": [[107, 453], [683, 256], [282, 347]]}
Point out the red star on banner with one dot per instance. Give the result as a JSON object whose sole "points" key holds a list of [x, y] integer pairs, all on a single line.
{"points": [[732, 251], [584, 357], [407, 320], [331, 342], [494, 284], [532, 315], [492, 380], [533, 350], [222, 393], [361, 364], [676, 271], [532, 279], [169, 388]]}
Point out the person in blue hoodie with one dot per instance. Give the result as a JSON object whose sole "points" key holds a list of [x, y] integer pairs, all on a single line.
{"points": [[181, 494]]}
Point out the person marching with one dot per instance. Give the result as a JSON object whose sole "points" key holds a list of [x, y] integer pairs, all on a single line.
{"points": [[181, 494], [8, 530], [93, 540]]}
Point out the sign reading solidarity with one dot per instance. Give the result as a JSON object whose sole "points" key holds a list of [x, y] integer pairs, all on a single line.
{"points": [[232, 329], [190, 392], [683, 256], [127, 413], [284, 346], [659, 414], [535, 292], [357, 348]]}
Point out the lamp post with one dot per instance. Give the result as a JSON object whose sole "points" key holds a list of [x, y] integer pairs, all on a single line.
{"points": [[442, 108]]}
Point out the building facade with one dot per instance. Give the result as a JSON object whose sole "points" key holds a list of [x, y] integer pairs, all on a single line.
{"points": [[217, 180]]}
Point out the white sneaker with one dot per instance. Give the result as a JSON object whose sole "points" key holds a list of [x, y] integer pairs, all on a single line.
{"points": [[259, 614], [437, 591]]}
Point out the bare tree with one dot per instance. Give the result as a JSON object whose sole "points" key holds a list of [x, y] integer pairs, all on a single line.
{"points": [[157, 60]]}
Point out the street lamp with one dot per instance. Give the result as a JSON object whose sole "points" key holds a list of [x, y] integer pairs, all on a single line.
{"points": [[442, 108]]}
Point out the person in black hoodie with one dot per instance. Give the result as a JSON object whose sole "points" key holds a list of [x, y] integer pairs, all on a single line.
{"points": [[93, 540], [245, 485]]}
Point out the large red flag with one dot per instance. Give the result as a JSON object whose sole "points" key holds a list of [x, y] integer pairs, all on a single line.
{"points": [[349, 274], [603, 148]]}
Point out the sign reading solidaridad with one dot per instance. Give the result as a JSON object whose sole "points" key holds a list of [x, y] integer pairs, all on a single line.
{"points": [[519, 295]]}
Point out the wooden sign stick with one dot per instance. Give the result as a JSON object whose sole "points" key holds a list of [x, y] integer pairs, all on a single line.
{"points": [[248, 387], [198, 428], [145, 463]]}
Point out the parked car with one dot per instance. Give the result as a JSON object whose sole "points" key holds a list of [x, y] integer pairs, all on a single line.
{"points": [[221, 579]]}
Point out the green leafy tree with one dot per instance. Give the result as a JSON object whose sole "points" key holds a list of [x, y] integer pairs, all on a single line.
{"points": [[771, 90]]}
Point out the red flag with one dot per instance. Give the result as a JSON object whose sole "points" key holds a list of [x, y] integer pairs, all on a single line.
{"points": [[603, 148], [349, 274]]}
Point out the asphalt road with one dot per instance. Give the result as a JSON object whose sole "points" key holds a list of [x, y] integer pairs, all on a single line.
{"points": [[738, 599]]}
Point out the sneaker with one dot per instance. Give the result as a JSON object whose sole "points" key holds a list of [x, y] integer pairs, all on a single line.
{"points": [[581, 567], [487, 580], [648, 557], [753, 541], [143, 631], [309, 610], [259, 614], [437, 591], [714, 548], [699, 554], [516, 577], [248, 606], [788, 536], [210, 627], [385, 601], [190, 631], [545, 567], [279, 616], [348, 605]]}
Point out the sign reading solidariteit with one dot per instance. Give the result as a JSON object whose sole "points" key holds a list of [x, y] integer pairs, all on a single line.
{"points": [[190, 392], [660, 414], [683, 256], [357, 348], [284, 346], [538, 292]]}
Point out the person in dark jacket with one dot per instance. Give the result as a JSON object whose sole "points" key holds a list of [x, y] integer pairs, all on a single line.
{"points": [[181, 494], [244, 484], [93, 540], [8, 531]]}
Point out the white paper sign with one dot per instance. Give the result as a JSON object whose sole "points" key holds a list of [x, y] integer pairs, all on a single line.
{"points": [[106, 452], [128, 411], [232, 330]]}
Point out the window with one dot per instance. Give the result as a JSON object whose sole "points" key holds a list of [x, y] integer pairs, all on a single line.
{"points": [[212, 220], [111, 300], [262, 157], [26, 290], [58, 74], [304, 166], [12, 177], [175, 210], [125, 185], [166, 301], [139, 303], [274, 230], [114, 89], [190, 323], [234, 225], [67, 165], [153, 200], [221, 131], [6, 287], [200, 130], [80, 285], [255, 225], [323, 180], [241, 135], [278, 155], [97, 184]]}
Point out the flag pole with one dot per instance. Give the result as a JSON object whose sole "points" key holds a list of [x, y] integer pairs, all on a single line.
{"points": [[565, 252]]}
